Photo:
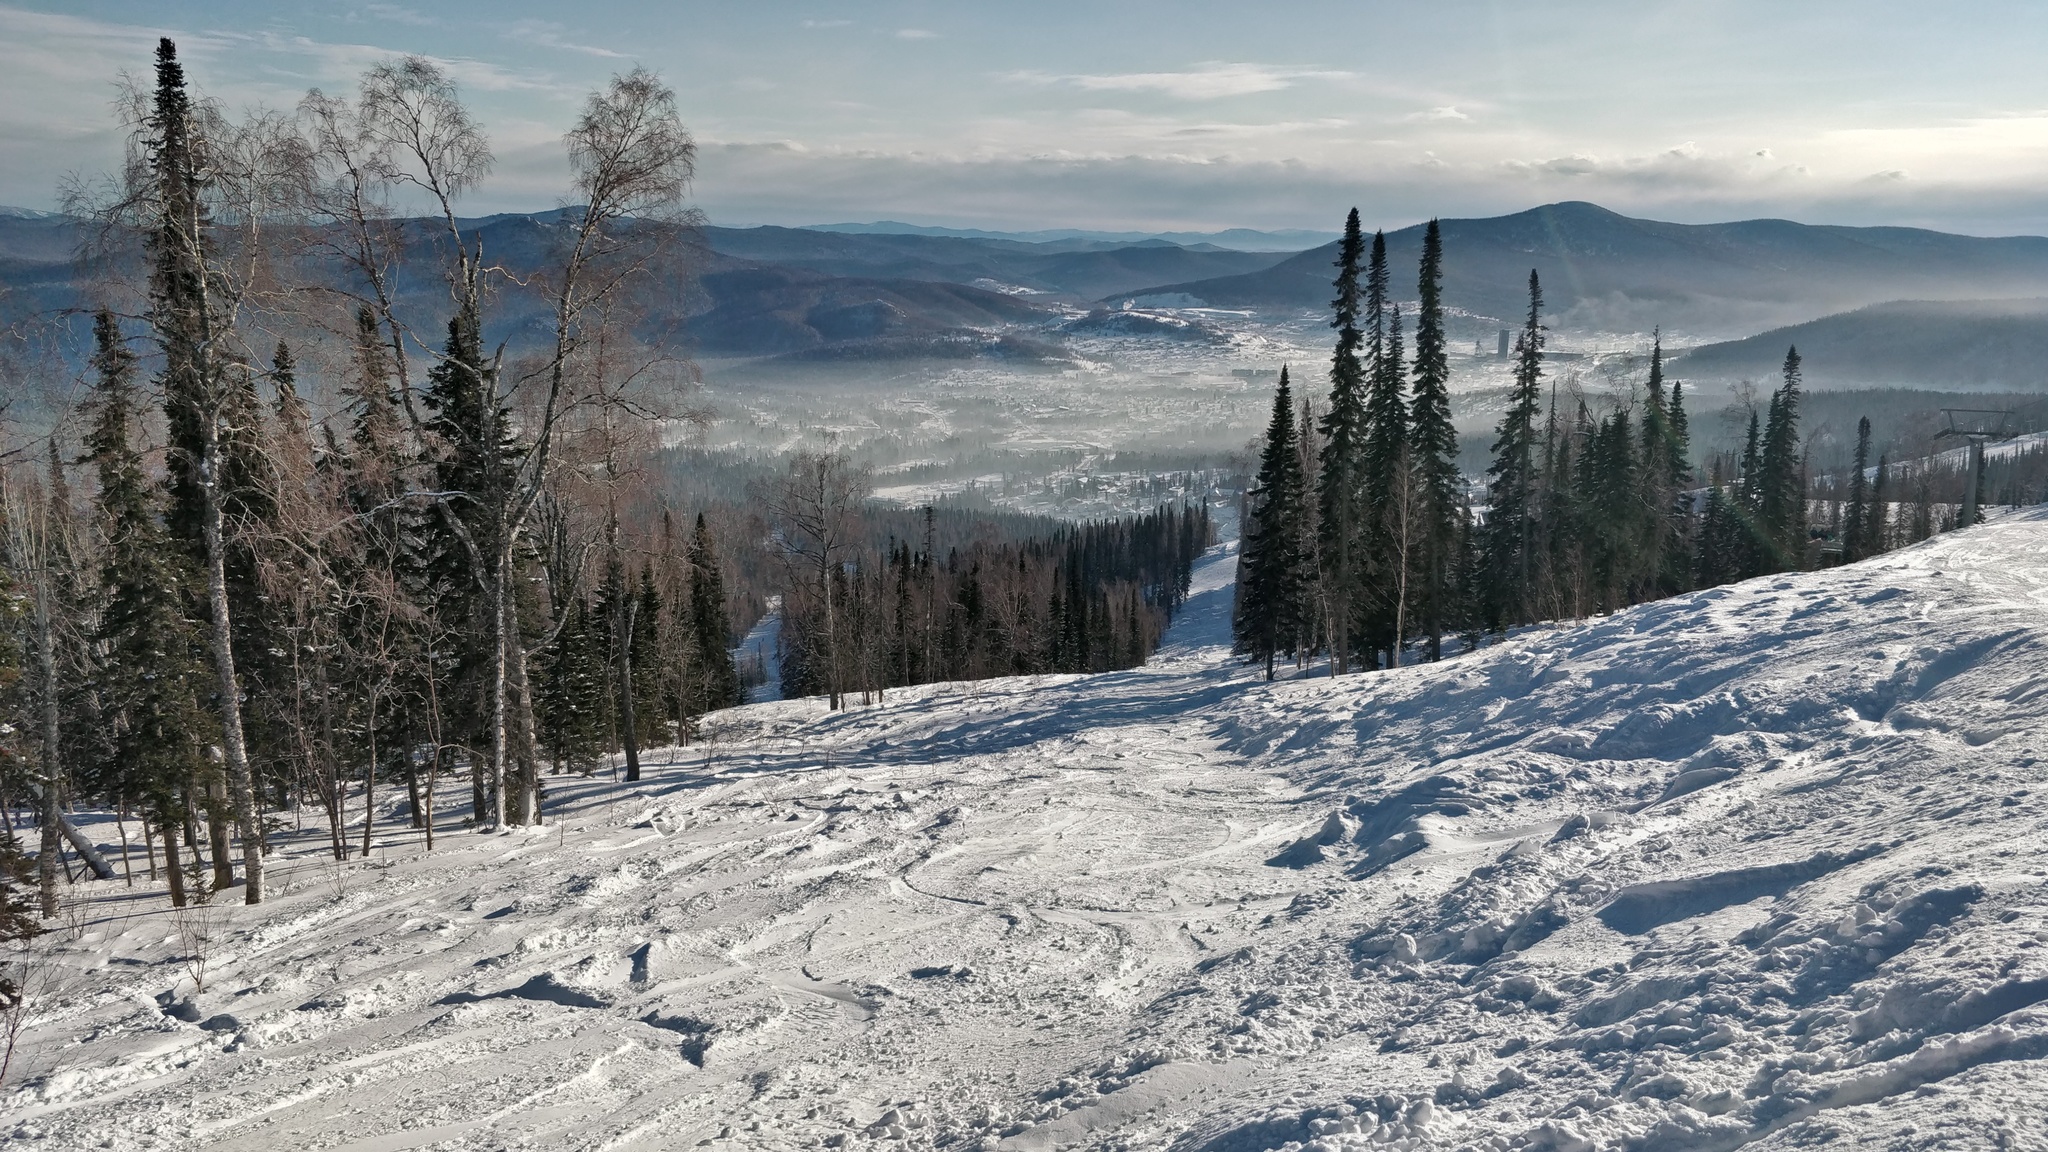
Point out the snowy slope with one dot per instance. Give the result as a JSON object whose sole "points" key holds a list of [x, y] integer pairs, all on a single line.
{"points": [[1760, 867]]}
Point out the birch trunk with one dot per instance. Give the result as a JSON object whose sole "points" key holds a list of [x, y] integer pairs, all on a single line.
{"points": [[236, 752]]}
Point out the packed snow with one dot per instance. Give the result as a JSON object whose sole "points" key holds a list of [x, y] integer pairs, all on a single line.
{"points": [[1761, 866]]}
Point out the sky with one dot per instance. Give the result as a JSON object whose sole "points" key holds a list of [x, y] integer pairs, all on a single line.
{"points": [[1152, 116]]}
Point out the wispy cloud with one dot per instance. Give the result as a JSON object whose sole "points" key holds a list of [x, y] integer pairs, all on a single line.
{"points": [[401, 15], [1447, 112], [1211, 81], [548, 34], [827, 24], [916, 34]]}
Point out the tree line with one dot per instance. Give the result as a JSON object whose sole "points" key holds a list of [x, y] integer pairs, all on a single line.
{"points": [[1094, 597], [1363, 545]]}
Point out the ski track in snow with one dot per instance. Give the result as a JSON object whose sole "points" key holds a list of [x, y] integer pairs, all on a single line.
{"points": [[1757, 867]]}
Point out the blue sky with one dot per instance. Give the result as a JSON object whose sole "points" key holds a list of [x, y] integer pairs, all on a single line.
{"points": [[1140, 115]]}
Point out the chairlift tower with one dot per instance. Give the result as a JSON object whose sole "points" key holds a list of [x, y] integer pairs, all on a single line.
{"points": [[1978, 426]]}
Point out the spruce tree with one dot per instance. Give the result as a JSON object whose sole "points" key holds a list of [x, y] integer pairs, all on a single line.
{"points": [[1745, 551], [473, 478], [571, 699], [154, 672], [1684, 530], [1511, 571], [1877, 521], [1433, 454], [1382, 463], [1781, 489], [1654, 572], [1857, 514], [1271, 599], [1338, 511], [649, 674], [714, 681]]}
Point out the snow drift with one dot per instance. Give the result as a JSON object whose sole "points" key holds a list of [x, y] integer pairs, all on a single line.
{"points": [[1762, 866]]}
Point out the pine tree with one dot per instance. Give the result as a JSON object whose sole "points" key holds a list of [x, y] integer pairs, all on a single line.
{"points": [[1511, 519], [1271, 597], [154, 667], [1338, 511], [1433, 454]]}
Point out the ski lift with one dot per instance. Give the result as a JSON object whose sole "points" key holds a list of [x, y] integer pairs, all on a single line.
{"points": [[1979, 426]]}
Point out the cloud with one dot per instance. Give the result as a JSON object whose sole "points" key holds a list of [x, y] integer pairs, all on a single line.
{"points": [[916, 34], [1213, 81], [548, 34], [1447, 112], [399, 15], [826, 24]]}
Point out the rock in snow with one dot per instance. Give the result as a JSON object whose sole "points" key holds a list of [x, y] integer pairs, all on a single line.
{"points": [[1762, 866]]}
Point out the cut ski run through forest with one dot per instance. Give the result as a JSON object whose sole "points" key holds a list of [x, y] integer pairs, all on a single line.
{"points": [[1749, 867]]}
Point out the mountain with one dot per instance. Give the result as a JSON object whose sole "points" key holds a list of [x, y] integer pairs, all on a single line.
{"points": [[1241, 239], [1604, 271], [1758, 867], [1073, 273], [1942, 343], [803, 297]]}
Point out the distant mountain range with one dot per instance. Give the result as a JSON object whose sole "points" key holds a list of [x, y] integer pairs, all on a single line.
{"points": [[1608, 272], [1070, 271], [1981, 317], [1972, 344], [1240, 239]]}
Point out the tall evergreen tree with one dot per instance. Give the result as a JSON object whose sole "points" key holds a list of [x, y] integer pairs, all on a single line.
{"points": [[1781, 489], [571, 699], [713, 680], [207, 404], [1511, 518], [154, 670], [473, 475], [1383, 464], [645, 657], [1338, 504], [1433, 454], [1857, 514], [1745, 552], [1877, 520], [1271, 595], [1684, 531]]}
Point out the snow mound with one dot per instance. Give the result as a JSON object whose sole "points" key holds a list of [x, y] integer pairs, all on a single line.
{"points": [[1761, 866]]}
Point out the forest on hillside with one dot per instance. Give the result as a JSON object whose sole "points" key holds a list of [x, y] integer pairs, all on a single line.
{"points": [[1362, 540], [302, 536]]}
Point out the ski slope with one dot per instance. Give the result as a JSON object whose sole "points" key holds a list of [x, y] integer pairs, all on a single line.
{"points": [[1759, 867]]}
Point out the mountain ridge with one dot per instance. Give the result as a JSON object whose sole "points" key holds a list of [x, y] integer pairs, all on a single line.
{"points": [[1605, 271]]}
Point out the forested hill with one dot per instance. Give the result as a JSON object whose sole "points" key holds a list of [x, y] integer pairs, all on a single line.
{"points": [[1950, 343], [1607, 271], [1074, 270], [744, 291]]}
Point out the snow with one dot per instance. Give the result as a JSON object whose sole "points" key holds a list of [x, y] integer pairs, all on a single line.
{"points": [[1758, 867]]}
